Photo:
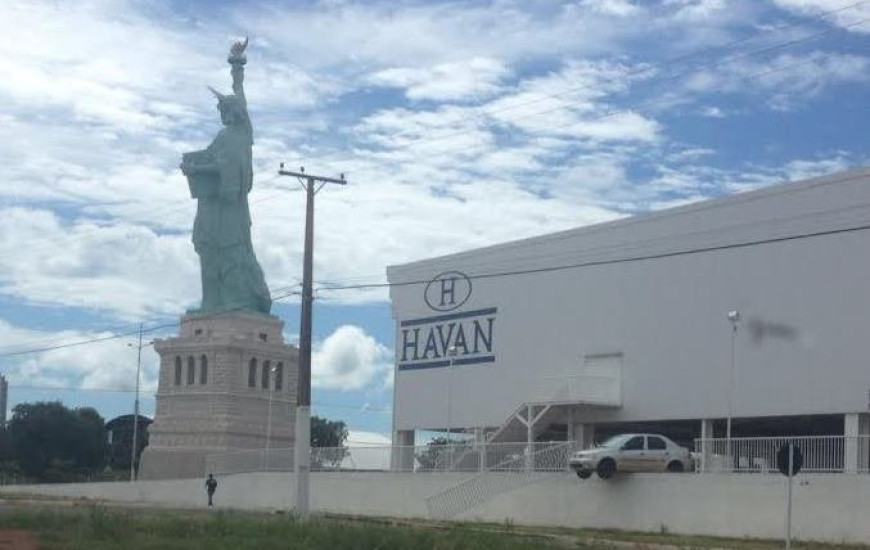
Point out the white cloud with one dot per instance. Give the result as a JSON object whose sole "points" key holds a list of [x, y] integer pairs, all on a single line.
{"points": [[534, 137], [787, 79], [357, 438], [697, 10], [108, 365], [475, 78], [713, 112], [349, 359], [119, 268], [619, 8], [843, 14]]}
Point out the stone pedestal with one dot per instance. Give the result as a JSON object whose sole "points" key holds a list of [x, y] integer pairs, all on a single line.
{"points": [[217, 379]]}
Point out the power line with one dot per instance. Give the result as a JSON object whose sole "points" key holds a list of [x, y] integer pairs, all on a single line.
{"points": [[339, 287], [595, 263], [639, 71], [544, 97], [506, 273], [315, 404], [381, 285], [126, 334], [51, 341], [629, 109], [72, 237]]}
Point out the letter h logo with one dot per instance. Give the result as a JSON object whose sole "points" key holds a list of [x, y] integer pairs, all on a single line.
{"points": [[448, 290]]}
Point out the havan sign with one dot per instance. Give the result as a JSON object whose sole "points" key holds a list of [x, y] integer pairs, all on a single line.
{"points": [[455, 338]]}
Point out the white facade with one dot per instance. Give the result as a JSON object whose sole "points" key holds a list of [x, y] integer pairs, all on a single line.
{"points": [[627, 320]]}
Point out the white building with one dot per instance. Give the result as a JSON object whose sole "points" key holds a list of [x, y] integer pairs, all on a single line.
{"points": [[624, 326]]}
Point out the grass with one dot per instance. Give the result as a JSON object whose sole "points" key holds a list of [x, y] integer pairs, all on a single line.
{"points": [[100, 528], [87, 526]]}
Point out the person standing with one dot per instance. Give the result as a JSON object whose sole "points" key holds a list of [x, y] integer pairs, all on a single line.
{"points": [[210, 487]]}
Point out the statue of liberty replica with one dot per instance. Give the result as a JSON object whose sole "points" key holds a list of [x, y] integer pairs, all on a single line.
{"points": [[228, 381], [220, 178]]}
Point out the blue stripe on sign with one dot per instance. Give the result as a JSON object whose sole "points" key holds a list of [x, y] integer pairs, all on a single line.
{"points": [[439, 364], [449, 317], [473, 360], [429, 365]]}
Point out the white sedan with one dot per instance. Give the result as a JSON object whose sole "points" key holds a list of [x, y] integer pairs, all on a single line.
{"points": [[631, 453]]}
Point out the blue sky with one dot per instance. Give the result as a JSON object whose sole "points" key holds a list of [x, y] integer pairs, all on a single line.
{"points": [[458, 125]]}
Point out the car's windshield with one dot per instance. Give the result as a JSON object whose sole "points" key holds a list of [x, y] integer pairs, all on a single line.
{"points": [[614, 441]]}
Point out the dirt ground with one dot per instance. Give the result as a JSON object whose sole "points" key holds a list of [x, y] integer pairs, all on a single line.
{"points": [[16, 539]]}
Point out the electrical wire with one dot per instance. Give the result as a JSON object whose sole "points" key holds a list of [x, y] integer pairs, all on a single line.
{"points": [[595, 263], [381, 285], [147, 330], [713, 64], [315, 404], [543, 97]]}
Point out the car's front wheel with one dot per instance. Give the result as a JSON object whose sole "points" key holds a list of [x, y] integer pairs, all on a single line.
{"points": [[606, 468], [675, 466], [584, 474]]}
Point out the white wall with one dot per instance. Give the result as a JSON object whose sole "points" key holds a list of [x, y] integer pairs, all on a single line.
{"points": [[832, 507], [667, 315]]}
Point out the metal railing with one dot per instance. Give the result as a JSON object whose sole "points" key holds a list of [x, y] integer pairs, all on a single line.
{"points": [[821, 453], [579, 388], [520, 470], [460, 457]]}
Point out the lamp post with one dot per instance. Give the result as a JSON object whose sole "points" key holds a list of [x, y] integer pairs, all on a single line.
{"points": [[452, 352], [272, 370], [734, 318], [134, 444]]}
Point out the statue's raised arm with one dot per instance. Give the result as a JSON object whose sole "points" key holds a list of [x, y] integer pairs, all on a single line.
{"points": [[237, 60]]}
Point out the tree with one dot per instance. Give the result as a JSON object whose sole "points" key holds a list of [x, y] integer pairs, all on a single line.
{"points": [[51, 442], [331, 435], [120, 430], [441, 452]]}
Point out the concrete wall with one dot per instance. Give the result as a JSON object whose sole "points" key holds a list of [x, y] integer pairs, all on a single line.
{"points": [[826, 507]]}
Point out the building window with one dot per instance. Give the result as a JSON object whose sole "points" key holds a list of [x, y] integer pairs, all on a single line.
{"points": [[178, 371], [203, 370], [264, 377], [279, 376], [264, 337], [191, 371], [252, 373]]}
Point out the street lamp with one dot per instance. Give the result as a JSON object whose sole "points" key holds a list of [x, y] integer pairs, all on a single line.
{"points": [[269, 418], [134, 445], [452, 352], [734, 318]]}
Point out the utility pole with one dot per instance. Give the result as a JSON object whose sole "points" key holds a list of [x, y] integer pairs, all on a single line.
{"points": [[134, 444], [302, 447]]}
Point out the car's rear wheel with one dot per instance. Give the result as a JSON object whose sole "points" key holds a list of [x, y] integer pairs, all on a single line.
{"points": [[675, 466], [584, 474], [606, 468]]}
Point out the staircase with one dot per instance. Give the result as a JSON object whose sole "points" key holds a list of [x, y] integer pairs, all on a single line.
{"points": [[553, 397]]}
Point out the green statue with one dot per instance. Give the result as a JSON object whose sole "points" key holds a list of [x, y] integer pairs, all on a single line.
{"points": [[220, 178]]}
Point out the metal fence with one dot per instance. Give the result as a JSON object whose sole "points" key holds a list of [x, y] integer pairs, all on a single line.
{"points": [[523, 469], [460, 457], [745, 454], [821, 454]]}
